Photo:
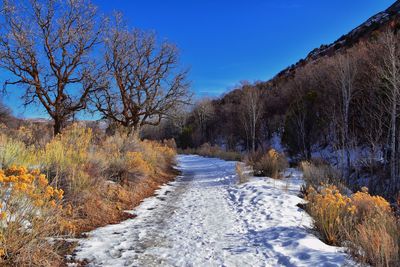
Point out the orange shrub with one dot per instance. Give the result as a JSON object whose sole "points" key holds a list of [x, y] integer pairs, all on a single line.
{"points": [[364, 220], [137, 165], [328, 207], [367, 204], [30, 212], [157, 155], [270, 164]]}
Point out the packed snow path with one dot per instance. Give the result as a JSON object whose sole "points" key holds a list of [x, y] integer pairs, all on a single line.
{"points": [[205, 219]]}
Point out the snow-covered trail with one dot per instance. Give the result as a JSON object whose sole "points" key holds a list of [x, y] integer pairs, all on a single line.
{"points": [[205, 219]]}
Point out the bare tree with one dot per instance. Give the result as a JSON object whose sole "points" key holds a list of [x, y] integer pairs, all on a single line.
{"points": [[145, 80], [388, 68], [47, 46], [252, 107], [204, 112], [343, 76]]}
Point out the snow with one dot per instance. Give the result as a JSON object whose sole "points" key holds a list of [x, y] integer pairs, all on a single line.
{"points": [[205, 219]]}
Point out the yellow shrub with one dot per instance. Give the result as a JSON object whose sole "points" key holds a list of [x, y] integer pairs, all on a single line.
{"points": [[30, 210], [157, 155], [271, 164], [64, 158], [328, 207], [367, 204], [364, 220], [136, 164], [15, 152]]}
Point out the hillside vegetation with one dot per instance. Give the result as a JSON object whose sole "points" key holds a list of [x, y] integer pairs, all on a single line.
{"points": [[339, 107], [60, 178], [75, 182]]}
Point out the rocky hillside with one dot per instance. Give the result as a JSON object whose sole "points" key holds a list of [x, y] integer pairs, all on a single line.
{"points": [[368, 29]]}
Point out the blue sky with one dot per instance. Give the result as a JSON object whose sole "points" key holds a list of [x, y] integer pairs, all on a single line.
{"points": [[224, 42]]}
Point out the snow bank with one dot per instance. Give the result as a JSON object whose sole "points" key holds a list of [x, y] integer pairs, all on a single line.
{"points": [[280, 229]]}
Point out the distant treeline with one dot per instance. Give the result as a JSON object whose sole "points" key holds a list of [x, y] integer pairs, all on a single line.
{"points": [[347, 103]]}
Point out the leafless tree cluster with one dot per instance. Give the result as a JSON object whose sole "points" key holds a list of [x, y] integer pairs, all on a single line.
{"points": [[346, 103], [145, 81], [52, 50], [251, 111]]}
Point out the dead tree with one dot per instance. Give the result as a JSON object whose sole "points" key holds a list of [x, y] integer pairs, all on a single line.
{"points": [[47, 45], [204, 112], [145, 82], [252, 107], [388, 69], [343, 76]]}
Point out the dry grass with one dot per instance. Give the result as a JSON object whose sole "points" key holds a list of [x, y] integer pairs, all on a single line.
{"points": [[317, 172], [242, 173], [271, 164], [214, 151], [30, 212], [363, 223], [15, 152], [101, 176], [378, 239]]}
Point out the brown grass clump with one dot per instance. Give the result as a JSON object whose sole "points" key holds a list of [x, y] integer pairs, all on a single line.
{"points": [[271, 164], [214, 151], [318, 172], [378, 238], [241, 172], [364, 223]]}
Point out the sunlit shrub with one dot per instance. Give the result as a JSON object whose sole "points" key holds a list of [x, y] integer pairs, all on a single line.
{"points": [[15, 152], [30, 212], [364, 223], [125, 157], [328, 208], [170, 143], [272, 164], [368, 205], [137, 165], [375, 241], [157, 155], [65, 157]]}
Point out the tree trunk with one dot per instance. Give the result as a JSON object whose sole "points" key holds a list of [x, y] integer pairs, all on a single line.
{"points": [[58, 125], [393, 144], [134, 132]]}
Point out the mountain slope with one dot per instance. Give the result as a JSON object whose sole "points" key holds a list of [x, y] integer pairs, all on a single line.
{"points": [[368, 29]]}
